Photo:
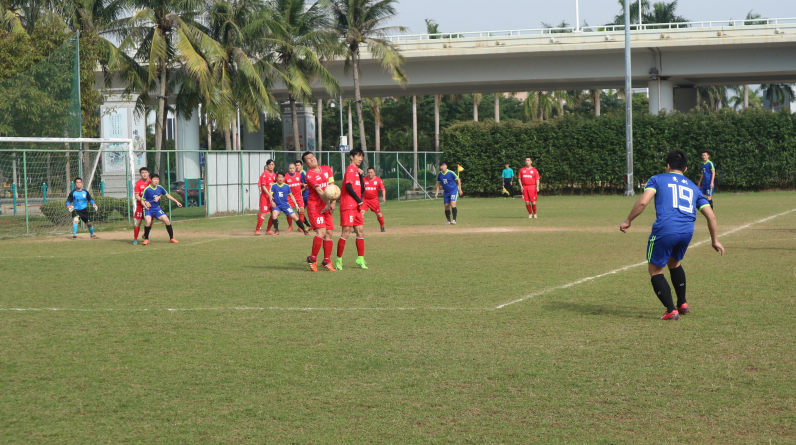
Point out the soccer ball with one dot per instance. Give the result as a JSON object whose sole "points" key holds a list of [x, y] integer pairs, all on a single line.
{"points": [[332, 192]]}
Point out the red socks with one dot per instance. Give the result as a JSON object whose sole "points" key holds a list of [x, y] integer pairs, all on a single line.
{"points": [[317, 242], [136, 229], [328, 245], [270, 223], [534, 208], [289, 222], [528, 206], [360, 247], [260, 220], [340, 247], [381, 220]]}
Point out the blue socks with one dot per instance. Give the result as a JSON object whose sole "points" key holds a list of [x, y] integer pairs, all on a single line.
{"points": [[74, 229]]}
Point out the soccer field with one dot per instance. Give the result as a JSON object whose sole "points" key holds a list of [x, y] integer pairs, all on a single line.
{"points": [[500, 329]]}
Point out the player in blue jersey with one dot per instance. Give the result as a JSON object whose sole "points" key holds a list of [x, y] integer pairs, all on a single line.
{"points": [[77, 202], [151, 198], [280, 202], [677, 200], [305, 191], [708, 178], [452, 190]]}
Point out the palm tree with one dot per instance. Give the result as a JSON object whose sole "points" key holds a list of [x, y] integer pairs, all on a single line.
{"points": [[296, 41], [619, 19], [778, 94], [745, 100], [375, 106], [477, 97], [541, 104], [712, 97], [360, 23], [437, 101], [166, 36], [596, 97], [563, 24]]}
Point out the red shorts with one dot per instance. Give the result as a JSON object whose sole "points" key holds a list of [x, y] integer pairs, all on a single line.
{"points": [[139, 211], [371, 204], [300, 201], [265, 203], [529, 193], [351, 218], [320, 220]]}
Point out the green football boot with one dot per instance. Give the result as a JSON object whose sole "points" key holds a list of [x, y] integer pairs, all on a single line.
{"points": [[361, 262], [338, 263]]}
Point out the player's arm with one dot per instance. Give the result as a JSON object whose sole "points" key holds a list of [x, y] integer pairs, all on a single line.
{"points": [[701, 175], [436, 193], [459, 183], [171, 198], [271, 195], [294, 199], [713, 227], [713, 174], [69, 200], [350, 189], [91, 200], [638, 208], [383, 193]]}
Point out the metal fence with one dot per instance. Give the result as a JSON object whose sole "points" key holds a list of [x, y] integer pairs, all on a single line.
{"points": [[36, 181]]}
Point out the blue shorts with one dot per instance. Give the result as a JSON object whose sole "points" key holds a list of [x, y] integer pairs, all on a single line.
{"points": [[155, 212], [706, 189], [662, 247], [284, 209], [306, 196], [450, 197]]}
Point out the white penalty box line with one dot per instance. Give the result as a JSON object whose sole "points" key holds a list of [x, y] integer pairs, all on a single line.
{"points": [[622, 269]]}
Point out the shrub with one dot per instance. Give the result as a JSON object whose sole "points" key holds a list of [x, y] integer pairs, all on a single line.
{"points": [[391, 186], [431, 178], [56, 212]]}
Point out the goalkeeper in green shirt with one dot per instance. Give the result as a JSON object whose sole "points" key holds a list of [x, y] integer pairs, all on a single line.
{"points": [[508, 181]]}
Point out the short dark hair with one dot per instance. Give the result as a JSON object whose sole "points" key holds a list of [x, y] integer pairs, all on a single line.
{"points": [[705, 151], [371, 168], [280, 173], [298, 161], [505, 163], [155, 176], [269, 162], [443, 163], [304, 156], [677, 160], [356, 151], [78, 179], [143, 169]]}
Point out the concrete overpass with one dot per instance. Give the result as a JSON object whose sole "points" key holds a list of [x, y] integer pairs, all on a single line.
{"points": [[703, 53]]}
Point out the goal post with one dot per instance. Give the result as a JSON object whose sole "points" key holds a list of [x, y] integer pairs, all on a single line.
{"points": [[37, 174]]}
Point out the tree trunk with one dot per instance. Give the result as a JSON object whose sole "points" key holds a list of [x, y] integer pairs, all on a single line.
{"points": [[350, 128], [497, 108], [320, 125], [414, 132], [209, 131], [745, 97], [597, 98], [14, 174], [437, 100], [227, 139], [475, 109], [294, 116], [362, 140], [377, 112], [235, 142], [160, 126]]}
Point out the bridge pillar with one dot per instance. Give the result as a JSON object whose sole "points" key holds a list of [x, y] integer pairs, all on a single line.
{"points": [[256, 139], [661, 96], [187, 139]]}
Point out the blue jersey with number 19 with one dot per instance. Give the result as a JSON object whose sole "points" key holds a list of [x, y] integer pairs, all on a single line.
{"points": [[677, 200]]}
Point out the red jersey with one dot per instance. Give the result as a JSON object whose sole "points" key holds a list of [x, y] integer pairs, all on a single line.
{"points": [[140, 185], [320, 179], [294, 181], [351, 177], [528, 176], [373, 187], [266, 179]]}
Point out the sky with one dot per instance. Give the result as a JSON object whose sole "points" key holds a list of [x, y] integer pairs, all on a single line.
{"points": [[472, 15]]}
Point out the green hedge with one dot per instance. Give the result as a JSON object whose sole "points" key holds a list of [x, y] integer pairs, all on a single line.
{"points": [[57, 213], [752, 150], [391, 186]]}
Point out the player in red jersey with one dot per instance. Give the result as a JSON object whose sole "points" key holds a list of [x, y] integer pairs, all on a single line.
{"points": [[319, 210], [293, 180], [350, 214], [374, 185], [140, 204], [529, 184], [264, 184]]}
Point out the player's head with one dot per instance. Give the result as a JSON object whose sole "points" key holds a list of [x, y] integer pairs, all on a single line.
{"points": [[705, 155], [269, 165], [298, 165], [443, 166], [78, 183], [144, 172], [155, 179], [280, 177], [528, 161], [371, 172], [356, 155], [291, 168], [309, 159], [676, 160]]}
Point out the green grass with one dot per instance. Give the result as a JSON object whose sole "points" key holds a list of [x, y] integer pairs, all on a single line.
{"points": [[152, 344]]}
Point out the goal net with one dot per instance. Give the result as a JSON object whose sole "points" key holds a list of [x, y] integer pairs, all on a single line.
{"points": [[37, 175]]}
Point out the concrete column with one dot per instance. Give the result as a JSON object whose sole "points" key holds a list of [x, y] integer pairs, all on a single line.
{"points": [[188, 139], [685, 99], [256, 139], [320, 125], [661, 96], [497, 108]]}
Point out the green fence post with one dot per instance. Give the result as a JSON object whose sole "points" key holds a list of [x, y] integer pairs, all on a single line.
{"points": [[14, 188], [129, 201], [25, 175], [168, 182], [425, 170], [242, 205], [397, 177]]}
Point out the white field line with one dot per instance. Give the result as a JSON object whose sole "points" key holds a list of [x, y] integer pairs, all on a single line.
{"points": [[622, 269], [246, 308]]}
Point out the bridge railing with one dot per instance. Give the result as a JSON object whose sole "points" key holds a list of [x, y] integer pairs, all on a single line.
{"points": [[597, 28]]}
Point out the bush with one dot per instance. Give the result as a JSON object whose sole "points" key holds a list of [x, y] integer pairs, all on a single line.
{"points": [[431, 178], [56, 212], [391, 186], [754, 149]]}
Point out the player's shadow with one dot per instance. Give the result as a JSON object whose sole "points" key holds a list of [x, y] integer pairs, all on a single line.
{"points": [[280, 267], [593, 309]]}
